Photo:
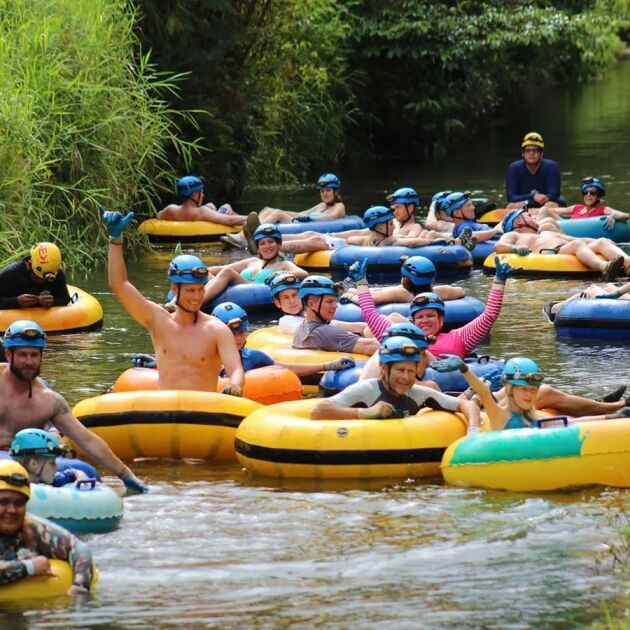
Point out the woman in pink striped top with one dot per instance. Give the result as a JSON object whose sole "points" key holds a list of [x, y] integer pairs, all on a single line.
{"points": [[427, 312]]}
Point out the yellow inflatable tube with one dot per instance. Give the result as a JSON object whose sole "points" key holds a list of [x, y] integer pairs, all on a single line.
{"points": [[315, 261], [160, 231], [167, 423], [43, 586], [83, 314], [542, 265], [533, 460], [279, 347], [493, 216], [282, 441]]}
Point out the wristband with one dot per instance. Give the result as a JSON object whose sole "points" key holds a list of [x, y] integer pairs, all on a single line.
{"points": [[30, 567], [464, 368], [116, 240]]}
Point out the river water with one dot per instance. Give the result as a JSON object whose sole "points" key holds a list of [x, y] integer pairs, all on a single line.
{"points": [[211, 547]]}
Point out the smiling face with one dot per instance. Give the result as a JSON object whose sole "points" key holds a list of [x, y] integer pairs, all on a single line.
{"points": [[524, 396], [429, 320], [288, 301], [591, 197], [402, 212], [399, 377], [268, 248], [190, 296], [324, 306], [12, 512]]}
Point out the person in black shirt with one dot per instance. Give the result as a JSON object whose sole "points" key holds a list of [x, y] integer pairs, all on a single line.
{"points": [[36, 280]]}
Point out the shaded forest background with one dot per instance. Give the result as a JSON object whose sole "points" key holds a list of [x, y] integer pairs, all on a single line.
{"points": [[108, 101]]}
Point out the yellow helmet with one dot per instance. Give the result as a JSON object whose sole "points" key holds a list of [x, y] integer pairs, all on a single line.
{"points": [[46, 260], [533, 138], [13, 476]]}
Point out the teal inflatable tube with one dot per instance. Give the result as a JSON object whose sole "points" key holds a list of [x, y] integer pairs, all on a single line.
{"points": [[86, 507], [594, 228]]}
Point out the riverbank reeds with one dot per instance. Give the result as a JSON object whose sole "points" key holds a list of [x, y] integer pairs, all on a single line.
{"points": [[84, 120]]}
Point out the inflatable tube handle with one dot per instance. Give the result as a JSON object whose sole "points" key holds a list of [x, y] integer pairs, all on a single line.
{"points": [[81, 482], [565, 421], [74, 298]]}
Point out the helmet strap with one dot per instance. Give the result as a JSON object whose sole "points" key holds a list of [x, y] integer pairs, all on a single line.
{"points": [[318, 311], [194, 313]]}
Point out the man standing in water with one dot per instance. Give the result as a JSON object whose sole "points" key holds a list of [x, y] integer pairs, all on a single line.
{"points": [[190, 346]]}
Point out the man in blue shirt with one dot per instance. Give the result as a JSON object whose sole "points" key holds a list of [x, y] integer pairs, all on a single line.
{"points": [[533, 180]]}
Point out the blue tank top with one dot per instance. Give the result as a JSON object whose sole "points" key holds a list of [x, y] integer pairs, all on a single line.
{"points": [[515, 421]]}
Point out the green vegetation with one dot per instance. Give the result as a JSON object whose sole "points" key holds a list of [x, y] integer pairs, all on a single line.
{"points": [[278, 90], [83, 122]]}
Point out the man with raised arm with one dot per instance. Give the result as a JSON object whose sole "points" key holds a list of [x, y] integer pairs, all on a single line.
{"points": [[190, 346]]}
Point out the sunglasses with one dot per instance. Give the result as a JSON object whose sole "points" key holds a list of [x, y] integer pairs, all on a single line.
{"points": [[407, 349], [15, 479], [530, 377], [235, 324], [591, 191], [423, 300], [195, 272], [532, 150], [27, 333]]}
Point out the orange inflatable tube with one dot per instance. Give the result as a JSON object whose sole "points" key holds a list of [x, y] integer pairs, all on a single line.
{"points": [[266, 385]]}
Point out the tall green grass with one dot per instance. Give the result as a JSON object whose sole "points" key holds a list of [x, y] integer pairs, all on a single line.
{"points": [[84, 120]]}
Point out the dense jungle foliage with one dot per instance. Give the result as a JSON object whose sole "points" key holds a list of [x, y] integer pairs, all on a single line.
{"points": [[106, 101]]}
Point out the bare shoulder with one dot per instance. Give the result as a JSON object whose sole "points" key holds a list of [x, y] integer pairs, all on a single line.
{"points": [[58, 404]]}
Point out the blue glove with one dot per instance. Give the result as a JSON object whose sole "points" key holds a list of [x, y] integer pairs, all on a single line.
{"points": [[521, 251], [132, 483], [449, 363], [503, 270], [115, 221], [494, 379], [609, 223], [143, 360], [607, 296], [357, 271], [302, 219]]}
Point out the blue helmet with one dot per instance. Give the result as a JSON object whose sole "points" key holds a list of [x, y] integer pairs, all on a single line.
{"points": [[30, 442], [419, 270], [283, 281], [328, 180], [189, 184], [377, 214], [404, 195], [426, 300], [24, 333], [439, 198], [522, 371], [316, 285], [453, 202], [232, 315], [187, 269], [509, 219], [267, 230], [409, 330], [395, 349], [593, 182]]}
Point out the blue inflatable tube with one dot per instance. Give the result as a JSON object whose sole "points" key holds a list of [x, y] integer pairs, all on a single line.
{"points": [[323, 227], [594, 228], [452, 261], [482, 251], [588, 318], [457, 312], [254, 298], [333, 382]]}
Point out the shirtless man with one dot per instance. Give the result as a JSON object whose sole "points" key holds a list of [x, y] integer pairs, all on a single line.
{"points": [[26, 403], [521, 236], [190, 346], [190, 190]]}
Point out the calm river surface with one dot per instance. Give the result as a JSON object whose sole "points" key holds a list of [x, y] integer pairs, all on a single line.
{"points": [[211, 547]]}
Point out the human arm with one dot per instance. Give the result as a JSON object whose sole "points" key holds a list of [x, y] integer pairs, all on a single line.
{"points": [[506, 244], [90, 443], [230, 358], [305, 369], [290, 267], [471, 412], [141, 309], [551, 182], [449, 292], [622, 290], [432, 222], [341, 406], [616, 214]]}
